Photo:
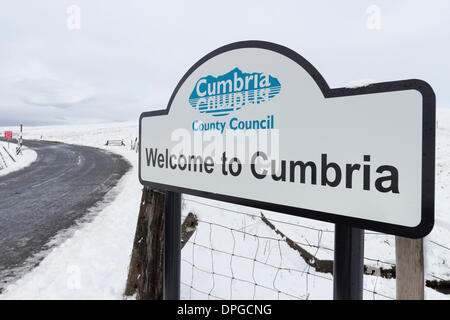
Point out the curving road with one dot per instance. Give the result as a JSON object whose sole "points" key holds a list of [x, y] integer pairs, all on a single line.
{"points": [[58, 188]]}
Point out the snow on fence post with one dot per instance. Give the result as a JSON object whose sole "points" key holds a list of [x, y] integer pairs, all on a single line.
{"points": [[409, 269], [145, 274]]}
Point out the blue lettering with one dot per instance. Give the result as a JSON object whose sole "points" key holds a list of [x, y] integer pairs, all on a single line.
{"points": [[232, 127], [194, 127], [200, 93]]}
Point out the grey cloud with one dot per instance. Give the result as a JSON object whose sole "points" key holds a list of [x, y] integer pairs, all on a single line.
{"points": [[52, 92], [128, 57]]}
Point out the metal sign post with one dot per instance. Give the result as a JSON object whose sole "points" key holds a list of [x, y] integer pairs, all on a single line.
{"points": [[172, 246], [348, 266]]}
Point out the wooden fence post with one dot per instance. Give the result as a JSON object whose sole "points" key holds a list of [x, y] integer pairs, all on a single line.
{"points": [[145, 274], [409, 269]]}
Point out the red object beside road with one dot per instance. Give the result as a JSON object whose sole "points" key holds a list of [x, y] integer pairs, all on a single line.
{"points": [[8, 134]]}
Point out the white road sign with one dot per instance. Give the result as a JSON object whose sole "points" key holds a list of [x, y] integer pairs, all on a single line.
{"points": [[256, 124]]}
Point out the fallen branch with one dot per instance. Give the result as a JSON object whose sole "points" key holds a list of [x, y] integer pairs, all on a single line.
{"points": [[442, 286], [326, 266], [188, 228]]}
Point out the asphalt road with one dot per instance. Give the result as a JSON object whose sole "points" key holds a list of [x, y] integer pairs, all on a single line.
{"points": [[50, 195]]}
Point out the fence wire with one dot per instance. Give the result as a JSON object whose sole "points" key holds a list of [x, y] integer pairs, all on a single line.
{"points": [[214, 270]]}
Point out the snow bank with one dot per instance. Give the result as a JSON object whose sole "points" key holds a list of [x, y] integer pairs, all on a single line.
{"points": [[7, 164]]}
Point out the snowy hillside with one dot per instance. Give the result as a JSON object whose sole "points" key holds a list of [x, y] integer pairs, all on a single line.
{"points": [[10, 162], [233, 254]]}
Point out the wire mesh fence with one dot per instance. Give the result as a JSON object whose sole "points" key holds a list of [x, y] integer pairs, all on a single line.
{"points": [[249, 258]]}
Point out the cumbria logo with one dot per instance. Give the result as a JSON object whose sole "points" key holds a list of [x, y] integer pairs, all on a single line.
{"points": [[219, 96]]}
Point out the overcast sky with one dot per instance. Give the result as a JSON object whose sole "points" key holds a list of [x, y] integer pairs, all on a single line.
{"points": [[128, 56]]}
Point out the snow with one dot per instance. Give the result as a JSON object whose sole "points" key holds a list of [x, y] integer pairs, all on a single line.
{"points": [[7, 165], [90, 260], [360, 83]]}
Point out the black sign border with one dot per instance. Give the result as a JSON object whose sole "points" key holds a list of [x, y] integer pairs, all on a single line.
{"points": [[428, 145]]}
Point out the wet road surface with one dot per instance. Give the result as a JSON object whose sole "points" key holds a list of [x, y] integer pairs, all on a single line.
{"points": [[50, 195]]}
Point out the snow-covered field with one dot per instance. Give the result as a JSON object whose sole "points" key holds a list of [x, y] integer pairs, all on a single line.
{"points": [[8, 153], [91, 259]]}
